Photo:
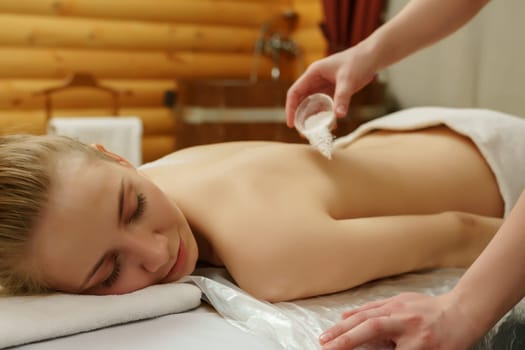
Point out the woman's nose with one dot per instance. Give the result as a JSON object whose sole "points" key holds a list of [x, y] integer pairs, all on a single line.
{"points": [[151, 251]]}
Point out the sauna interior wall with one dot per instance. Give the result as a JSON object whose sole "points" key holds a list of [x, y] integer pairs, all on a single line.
{"points": [[138, 47]]}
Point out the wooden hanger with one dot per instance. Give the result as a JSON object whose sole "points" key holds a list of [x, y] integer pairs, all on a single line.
{"points": [[79, 80]]}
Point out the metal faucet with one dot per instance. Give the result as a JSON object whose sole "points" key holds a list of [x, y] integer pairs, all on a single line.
{"points": [[272, 44]]}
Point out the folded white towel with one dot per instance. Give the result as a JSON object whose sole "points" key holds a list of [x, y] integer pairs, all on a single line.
{"points": [[32, 318], [120, 135]]}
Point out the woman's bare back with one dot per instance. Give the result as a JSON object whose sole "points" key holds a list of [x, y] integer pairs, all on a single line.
{"points": [[418, 172], [264, 210], [382, 173]]}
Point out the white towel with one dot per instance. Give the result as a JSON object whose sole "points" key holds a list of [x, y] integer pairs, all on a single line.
{"points": [[120, 135], [32, 318]]}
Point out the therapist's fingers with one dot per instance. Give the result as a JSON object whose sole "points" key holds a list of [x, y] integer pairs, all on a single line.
{"points": [[297, 92], [347, 84], [343, 92], [309, 83], [351, 322], [293, 97], [372, 330], [364, 307], [395, 302]]}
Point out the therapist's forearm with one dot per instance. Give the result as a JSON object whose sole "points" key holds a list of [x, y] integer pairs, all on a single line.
{"points": [[496, 280], [419, 24]]}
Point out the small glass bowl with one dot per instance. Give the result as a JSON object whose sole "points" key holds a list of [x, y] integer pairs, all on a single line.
{"points": [[312, 105]]}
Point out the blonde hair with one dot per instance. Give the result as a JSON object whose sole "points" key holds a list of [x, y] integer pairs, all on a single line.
{"points": [[27, 164]]}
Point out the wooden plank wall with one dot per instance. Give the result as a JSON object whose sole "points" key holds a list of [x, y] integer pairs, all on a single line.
{"points": [[136, 46], [307, 33]]}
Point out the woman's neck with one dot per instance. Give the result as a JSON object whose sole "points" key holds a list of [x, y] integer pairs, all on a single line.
{"points": [[206, 252]]}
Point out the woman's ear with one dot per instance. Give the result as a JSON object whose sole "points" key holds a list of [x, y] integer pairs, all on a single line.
{"points": [[112, 155]]}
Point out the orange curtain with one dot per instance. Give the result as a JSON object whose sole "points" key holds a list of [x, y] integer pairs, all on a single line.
{"points": [[347, 22]]}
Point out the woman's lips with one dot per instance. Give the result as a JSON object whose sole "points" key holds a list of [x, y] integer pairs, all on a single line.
{"points": [[179, 263]]}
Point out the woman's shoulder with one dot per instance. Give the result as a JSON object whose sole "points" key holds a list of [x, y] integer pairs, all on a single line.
{"points": [[203, 153]]}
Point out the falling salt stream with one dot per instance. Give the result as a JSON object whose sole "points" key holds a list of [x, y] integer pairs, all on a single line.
{"points": [[317, 131]]}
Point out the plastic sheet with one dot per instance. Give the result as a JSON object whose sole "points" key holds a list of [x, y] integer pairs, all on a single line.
{"points": [[297, 325]]}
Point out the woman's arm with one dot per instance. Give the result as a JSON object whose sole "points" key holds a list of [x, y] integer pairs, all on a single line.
{"points": [[496, 281], [455, 320], [419, 24], [329, 255]]}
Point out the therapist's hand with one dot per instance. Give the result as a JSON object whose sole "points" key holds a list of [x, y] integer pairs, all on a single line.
{"points": [[339, 75], [411, 321]]}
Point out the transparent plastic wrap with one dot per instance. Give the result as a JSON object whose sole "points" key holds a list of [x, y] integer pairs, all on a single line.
{"points": [[297, 325]]}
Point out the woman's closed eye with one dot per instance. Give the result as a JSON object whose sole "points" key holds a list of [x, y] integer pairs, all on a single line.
{"points": [[141, 204], [113, 277]]}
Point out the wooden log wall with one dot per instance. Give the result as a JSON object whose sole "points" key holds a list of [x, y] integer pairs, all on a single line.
{"points": [[139, 48], [307, 33]]}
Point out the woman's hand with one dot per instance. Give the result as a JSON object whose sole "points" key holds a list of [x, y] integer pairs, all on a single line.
{"points": [[410, 321], [339, 75]]}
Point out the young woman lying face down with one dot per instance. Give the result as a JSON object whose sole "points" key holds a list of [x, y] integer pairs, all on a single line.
{"points": [[286, 222]]}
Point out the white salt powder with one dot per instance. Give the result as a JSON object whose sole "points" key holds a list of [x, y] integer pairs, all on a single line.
{"points": [[317, 131]]}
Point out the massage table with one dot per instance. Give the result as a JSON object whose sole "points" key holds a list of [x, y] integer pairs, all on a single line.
{"points": [[238, 321]]}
